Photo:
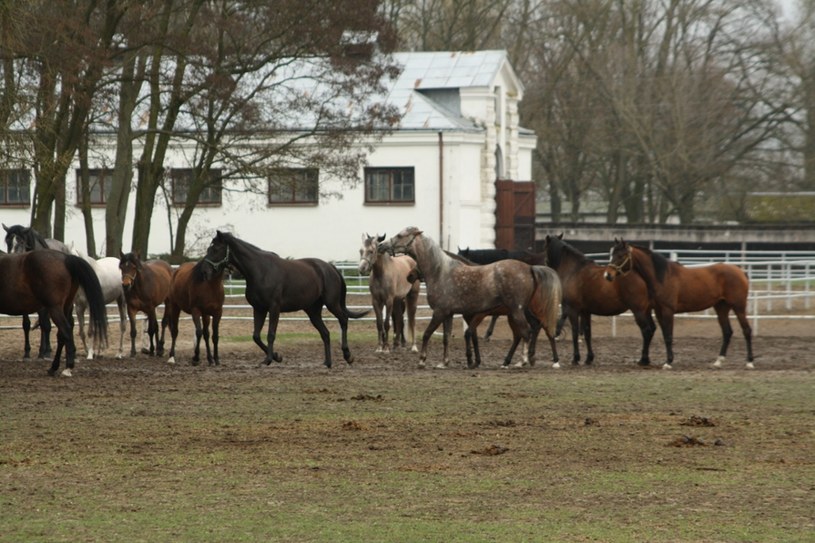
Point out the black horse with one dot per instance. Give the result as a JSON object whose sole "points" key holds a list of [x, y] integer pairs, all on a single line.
{"points": [[21, 239], [277, 285]]}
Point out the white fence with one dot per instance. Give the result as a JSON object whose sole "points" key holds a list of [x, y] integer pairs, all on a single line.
{"points": [[782, 286]]}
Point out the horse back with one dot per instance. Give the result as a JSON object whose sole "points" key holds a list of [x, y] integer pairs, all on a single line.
{"points": [[703, 287], [33, 280]]}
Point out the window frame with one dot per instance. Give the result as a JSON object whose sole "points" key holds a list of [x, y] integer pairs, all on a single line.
{"points": [[391, 172], [5, 177], [106, 175], [304, 174], [186, 174]]}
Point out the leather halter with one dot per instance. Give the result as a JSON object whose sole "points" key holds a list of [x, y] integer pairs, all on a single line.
{"points": [[221, 263], [620, 268]]}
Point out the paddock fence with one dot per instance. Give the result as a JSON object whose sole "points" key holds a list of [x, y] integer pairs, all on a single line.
{"points": [[782, 287]]}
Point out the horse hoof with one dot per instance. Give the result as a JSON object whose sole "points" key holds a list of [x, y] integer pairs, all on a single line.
{"points": [[504, 366], [750, 366], [440, 366], [414, 349], [327, 364], [67, 373], [719, 362], [644, 363], [120, 356], [277, 357], [556, 365], [171, 360], [667, 366]]}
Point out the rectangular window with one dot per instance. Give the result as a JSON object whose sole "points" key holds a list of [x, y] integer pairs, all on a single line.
{"points": [[185, 178], [100, 182], [389, 185], [15, 187], [294, 186]]}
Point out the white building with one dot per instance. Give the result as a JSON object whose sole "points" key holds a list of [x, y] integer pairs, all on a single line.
{"points": [[458, 134]]}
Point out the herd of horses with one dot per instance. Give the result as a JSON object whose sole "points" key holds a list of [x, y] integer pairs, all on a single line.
{"points": [[533, 290]]}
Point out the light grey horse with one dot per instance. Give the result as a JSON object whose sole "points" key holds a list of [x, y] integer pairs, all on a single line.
{"points": [[110, 279]]}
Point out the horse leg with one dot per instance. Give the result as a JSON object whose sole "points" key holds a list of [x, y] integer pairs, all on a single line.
{"points": [[26, 333], [722, 314], [80, 319], [379, 307], [665, 317], [536, 326], [205, 319], [199, 333], [152, 332], [412, 301], [131, 316], [647, 329], [447, 328], [271, 334], [490, 328], [585, 322], [386, 325], [171, 313], [741, 315], [122, 304], [216, 323], [516, 339], [45, 334], [259, 318], [471, 340], [574, 322], [315, 316], [560, 322], [164, 324], [398, 319], [435, 320]]}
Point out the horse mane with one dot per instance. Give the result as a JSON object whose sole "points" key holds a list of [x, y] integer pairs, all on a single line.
{"points": [[460, 258], [659, 262], [558, 247], [198, 271], [245, 243]]}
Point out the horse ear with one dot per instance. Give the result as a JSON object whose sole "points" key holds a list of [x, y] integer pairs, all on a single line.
{"points": [[560, 236], [121, 255], [381, 238], [5, 227]]}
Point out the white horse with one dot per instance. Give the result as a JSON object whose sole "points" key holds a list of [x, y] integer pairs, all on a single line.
{"points": [[110, 278]]}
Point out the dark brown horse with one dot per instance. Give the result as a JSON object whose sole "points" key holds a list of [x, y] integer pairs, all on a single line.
{"points": [[48, 280], [200, 292], [146, 286], [673, 288], [277, 285], [587, 293], [455, 287]]}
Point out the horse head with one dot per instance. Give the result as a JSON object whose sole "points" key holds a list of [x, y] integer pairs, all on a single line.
{"points": [[130, 264], [402, 242], [217, 257], [368, 253], [619, 260]]}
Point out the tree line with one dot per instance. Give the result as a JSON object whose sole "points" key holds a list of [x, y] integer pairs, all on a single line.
{"points": [[652, 109]]}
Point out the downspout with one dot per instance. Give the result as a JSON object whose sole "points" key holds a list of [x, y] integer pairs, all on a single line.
{"points": [[441, 188]]}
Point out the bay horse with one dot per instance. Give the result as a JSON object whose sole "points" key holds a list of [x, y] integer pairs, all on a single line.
{"points": [[277, 285], [196, 289], [146, 286], [455, 287], [21, 239], [391, 291], [587, 293], [672, 288], [110, 279], [49, 280]]}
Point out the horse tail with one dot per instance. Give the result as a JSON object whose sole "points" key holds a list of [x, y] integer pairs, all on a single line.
{"points": [[343, 292], [83, 273], [545, 303]]}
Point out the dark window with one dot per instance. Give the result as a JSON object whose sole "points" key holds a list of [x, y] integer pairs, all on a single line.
{"points": [[183, 178], [100, 182], [294, 186], [15, 187], [389, 185]]}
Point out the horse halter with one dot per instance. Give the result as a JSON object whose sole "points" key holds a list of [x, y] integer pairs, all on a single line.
{"points": [[219, 265], [620, 268]]}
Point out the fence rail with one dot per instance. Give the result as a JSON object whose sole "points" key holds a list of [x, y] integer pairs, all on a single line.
{"points": [[782, 286]]}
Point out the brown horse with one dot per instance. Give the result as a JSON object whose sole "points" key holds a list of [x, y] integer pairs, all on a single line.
{"points": [[146, 286], [673, 288], [200, 292], [391, 291], [586, 293], [456, 287], [48, 280]]}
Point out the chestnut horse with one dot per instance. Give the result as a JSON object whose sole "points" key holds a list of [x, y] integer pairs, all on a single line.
{"points": [[586, 293], [146, 286], [673, 288], [391, 291], [49, 280], [277, 285], [196, 290], [456, 287]]}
